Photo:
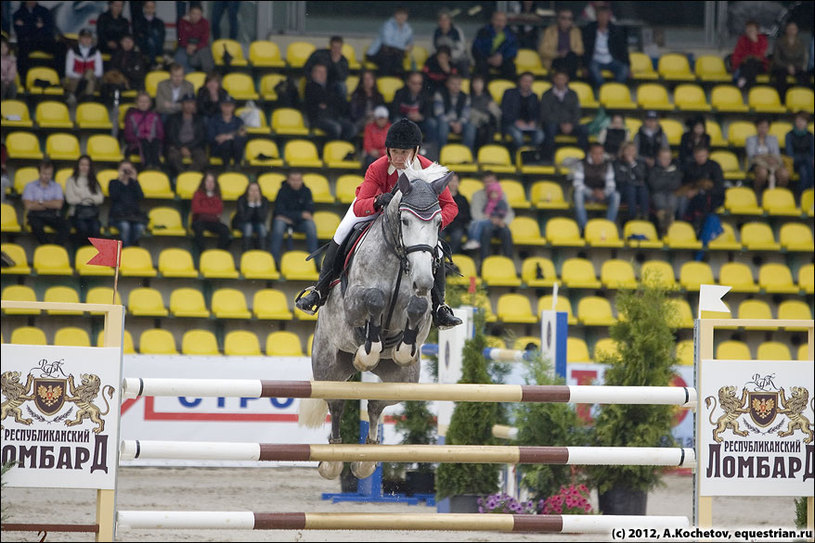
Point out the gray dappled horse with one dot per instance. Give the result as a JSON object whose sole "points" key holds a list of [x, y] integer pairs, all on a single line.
{"points": [[381, 319]]}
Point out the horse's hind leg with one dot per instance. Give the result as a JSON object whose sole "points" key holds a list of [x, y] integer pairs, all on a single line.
{"points": [[373, 304], [332, 470], [361, 470], [406, 351]]}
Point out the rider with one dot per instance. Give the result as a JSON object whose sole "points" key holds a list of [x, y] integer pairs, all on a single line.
{"points": [[401, 149]]}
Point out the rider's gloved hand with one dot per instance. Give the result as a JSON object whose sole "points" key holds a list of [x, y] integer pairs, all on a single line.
{"points": [[383, 200]]}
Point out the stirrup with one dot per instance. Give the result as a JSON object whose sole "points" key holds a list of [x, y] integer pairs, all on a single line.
{"points": [[454, 321], [311, 310]]}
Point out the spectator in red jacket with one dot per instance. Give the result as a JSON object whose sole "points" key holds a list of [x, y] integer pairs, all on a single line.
{"points": [[373, 143], [193, 42], [206, 208], [750, 56]]}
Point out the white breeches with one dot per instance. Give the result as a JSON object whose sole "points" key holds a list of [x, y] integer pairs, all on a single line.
{"points": [[347, 223]]}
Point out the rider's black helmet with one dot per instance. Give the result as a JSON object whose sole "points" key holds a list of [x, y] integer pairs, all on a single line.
{"points": [[403, 134]]}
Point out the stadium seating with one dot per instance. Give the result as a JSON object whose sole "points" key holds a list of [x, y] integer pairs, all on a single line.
{"points": [[19, 293], [61, 294], [241, 343], [563, 304], [217, 264], [537, 271], [515, 308], [51, 260], [50, 114], [188, 302], [283, 343], [271, 304], [72, 336], [15, 114], [499, 271], [617, 273], [738, 276], [265, 54], [157, 341], [579, 273], [199, 343], [776, 278]]}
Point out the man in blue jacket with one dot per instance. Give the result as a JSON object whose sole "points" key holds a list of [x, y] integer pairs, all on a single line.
{"points": [[495, 48]]}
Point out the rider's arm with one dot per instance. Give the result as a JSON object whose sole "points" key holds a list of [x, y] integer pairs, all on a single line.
{"points": [[373, 185], [449, 208]]}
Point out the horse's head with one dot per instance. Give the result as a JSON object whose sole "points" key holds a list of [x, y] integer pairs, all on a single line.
{"points": [[416, 214]]}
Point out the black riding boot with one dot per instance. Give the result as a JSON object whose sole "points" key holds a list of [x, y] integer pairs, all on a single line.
{"points": [[312, 298], [443, 316]]}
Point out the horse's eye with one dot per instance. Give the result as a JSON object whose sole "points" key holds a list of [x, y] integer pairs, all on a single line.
{"points": [[405, 222]]}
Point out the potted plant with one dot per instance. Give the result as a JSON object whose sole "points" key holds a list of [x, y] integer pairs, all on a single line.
{"points": [[644, 357], [417, 423]]}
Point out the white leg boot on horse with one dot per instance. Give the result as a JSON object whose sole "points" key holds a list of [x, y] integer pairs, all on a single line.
{"points": [[371, 303], [360, 469]]}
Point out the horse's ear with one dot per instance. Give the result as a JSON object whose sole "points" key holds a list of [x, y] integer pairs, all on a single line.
{"points": [[404, 184], [441, 183]]}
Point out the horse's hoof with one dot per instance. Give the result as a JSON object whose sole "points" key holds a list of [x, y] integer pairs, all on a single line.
{"points": [[404, 354], [366, 361], [329, 470], [363, 470]]}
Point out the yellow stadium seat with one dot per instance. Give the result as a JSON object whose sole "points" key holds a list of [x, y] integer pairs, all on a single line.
{"points": [[799, 99], [497, 88], [146, 302], [137, 262], [293, 266], [538, 87], [641, 67], [301, 154], [186, 184], [199, 343], [102, 295], [19, 293], [595, 311], [528, 60], [229, 303], [547, 195], [537, 271], [773, 350], [271, 304], [567, 154], [796, 237], [715, 132], [9, 222], [176, 262], [265, 54], [690, 97], [104, 148], [346, 187], [729, 163], [93, 116], [616, 273], [197, 79], [764, 99], [499, 271], [241, 343], [222, 47], [681, 235], [388, 85], [741, 201], [727, 99], [528, 166], [233, 185], [240, 86], [579, 273], [270, 184], [780, 201], [326, 223], [653, 96], [525, 231], [188, 302], [758, 236], [603, 233], [644, 229], [15, 114], [165, 221], [28, 335], [526, 343], [217, 264], [726, 241], [585, 94], [563, 305], [515, 308], [350, 55], [157, 341], [72, 336], [806, 278], [257, 264], [738, 276], [808, 202], [262, 129], [516, 194], [673, 131], [577, 350], [152, 79], [469, 186], [52, 114], [739, 131], [605, 347], [320, 189], [466, 266], [458, 157], [62, 147], [267, 86], [336, 153], [297, 53], [794, 310], [779, 129], [684, 352], [127, 341], [51, 260], [733, 350], [283, 343], [495, 158], [45, 74], [615, 95], [693, 274], [262, 152], [83, 255], [675, 67], [155, 184], [23, 146], [711, 68], [803, 352], [61, 294], [564, 232], [755, 309], [288, 122], [776, 278], [683, 317]]}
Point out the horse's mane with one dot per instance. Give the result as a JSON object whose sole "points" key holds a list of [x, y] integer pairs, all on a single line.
{"points": [[428, 175]]}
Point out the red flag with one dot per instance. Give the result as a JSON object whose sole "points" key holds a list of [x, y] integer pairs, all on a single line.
{"points": [[108, 254], [471, 290]]}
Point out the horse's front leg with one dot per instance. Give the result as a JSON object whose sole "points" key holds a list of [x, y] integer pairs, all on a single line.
{"points": [[361, 470], [367, 355], [407, 351], [332, 470]]}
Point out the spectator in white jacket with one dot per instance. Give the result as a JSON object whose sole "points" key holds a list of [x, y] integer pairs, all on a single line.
{"points": [[83, 68], [594, 183]]}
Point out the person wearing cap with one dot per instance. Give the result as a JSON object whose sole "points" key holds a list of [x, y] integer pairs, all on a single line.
{"points": [[650, 138], [376, 131], [374, 194], [186, 137], [83, 68], [227, 134]]}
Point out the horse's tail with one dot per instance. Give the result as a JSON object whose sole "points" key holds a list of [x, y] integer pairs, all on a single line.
{"points": [[312, 412]]}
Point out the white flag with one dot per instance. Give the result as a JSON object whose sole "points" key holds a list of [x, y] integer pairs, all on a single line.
{"points": [[710, 298]]}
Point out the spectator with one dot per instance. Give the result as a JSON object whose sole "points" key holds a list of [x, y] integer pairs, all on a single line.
{"points": [[415, 103], [227, 134], [606, 48], [83, 68], [451, 107], [589, 13], [337, 65], [650, 138], [373, 142], [560, 114], [210, 96], [447, 33], [594, 182], [800, 145], [789, 59], [294, 211], [186, 135], [491, 215], [525, 23], [702, 189], [126, 70], [520, 113], [206, 208], [456, 230], [193, 41], [111, 26], [696, 135], [438, 68], [232, 15], [35, 30], [8, 71], [126, 197], [664, 179], [43, 201], [149, 32], [749, 58], [629, 177], [364, 100], [251, 216], [325, 108], [764, 158], [614, 135], [562, 45], [170, 91], [144, 132], [83, 194], [485, 113], [394, 40], [5, 180], [495, 48]]}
